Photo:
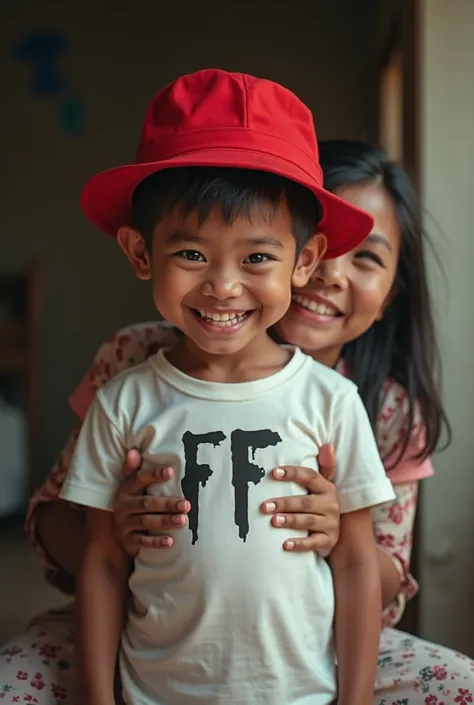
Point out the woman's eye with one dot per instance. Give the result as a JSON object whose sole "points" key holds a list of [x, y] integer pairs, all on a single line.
{"points": [[190, 255], [367, 254], [257, 258]]}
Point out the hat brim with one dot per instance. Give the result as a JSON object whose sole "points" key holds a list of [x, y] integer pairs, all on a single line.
{"points": [[107, 197]]}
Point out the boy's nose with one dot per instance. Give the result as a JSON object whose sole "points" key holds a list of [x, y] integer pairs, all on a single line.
{"points": [[221, 286]]}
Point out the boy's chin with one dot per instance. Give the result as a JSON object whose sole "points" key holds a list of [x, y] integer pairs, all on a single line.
{"points": [[224, 346]]}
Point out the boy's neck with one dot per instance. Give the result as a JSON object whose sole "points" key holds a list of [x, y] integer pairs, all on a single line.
{"points": [[261, 358]]}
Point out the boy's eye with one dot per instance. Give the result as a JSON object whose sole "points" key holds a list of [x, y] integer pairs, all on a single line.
{"points": [[190, 255], [257, 258]]}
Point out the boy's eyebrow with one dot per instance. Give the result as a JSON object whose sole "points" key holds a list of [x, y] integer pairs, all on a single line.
{"points": [[377, 239], [180, 237], [268, 240]]}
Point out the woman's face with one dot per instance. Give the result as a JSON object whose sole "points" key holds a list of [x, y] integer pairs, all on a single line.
{"points": [[347, 294]]}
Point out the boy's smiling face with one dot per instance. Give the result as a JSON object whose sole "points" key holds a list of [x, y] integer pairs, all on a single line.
{"points": [[223, 285]]}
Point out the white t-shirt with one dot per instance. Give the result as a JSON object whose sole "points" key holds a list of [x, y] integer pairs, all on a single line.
{"points": [[227, 616]]}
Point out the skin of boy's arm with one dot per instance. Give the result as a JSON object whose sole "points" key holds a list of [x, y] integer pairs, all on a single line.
{"points": [[358, 624], [101, 602]]}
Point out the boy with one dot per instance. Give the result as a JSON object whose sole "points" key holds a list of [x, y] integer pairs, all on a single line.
{"points": [[224, 211]]}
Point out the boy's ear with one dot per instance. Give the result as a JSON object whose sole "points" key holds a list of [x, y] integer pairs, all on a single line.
{"points": [[308, 259], [136, 251]]}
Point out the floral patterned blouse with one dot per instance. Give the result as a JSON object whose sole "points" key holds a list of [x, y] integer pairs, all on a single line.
{"points": [[393, 522]]}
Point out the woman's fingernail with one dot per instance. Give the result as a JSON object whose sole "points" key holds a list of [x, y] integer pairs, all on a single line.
{"points": [[279, 520], [178, 519], [289, 545], [166, 541], [279, 472], [182, 506], [167, 473], [269, 506]]}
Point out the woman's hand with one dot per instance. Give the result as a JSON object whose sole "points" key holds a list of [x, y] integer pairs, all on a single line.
{"points": [[137, 513], [317, 512]]}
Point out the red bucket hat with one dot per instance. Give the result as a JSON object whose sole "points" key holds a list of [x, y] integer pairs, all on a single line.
{"points": [[215, 118]]}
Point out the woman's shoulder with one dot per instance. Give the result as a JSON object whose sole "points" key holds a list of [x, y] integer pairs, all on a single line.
{"points": [[148, 337], [394, 406], [127, 348], [402, 457], [133, 345]]}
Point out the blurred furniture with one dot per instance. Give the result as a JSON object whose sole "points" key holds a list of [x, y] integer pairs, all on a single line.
{"points": [[21, 297]]}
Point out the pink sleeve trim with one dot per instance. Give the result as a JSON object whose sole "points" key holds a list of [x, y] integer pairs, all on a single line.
{"points": [[82, 397], [409, 470]]}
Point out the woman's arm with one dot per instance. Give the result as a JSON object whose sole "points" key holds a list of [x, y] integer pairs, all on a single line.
{"points": [[393, 528], [101, 602], [61, 532], [57, 529], [358, 608], [58, 545], [390, 579]]}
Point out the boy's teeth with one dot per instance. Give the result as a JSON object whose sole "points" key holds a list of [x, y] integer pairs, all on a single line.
{"points": [[311, 305], [222, 319]]}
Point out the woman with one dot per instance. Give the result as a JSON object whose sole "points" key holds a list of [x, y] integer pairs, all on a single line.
{"points": [[367, 313]]}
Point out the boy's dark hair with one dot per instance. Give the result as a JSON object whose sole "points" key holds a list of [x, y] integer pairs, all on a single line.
{"points": [[402, 345], [235, 191]]}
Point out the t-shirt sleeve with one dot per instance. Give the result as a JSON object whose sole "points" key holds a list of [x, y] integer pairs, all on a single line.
{"points": [[360, 476], [95, 470]]}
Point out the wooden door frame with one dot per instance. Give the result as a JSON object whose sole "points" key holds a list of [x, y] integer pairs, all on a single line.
{"points": [[404, 37]]}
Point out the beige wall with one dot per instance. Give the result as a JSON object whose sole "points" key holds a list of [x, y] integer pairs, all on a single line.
{"points": [[118, 58], [448, 180]]}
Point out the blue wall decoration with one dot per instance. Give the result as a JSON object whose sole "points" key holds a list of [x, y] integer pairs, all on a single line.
{"points": [[43, 51]]}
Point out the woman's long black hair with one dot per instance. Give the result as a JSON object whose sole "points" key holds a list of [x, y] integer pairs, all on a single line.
{"points": [[402, 345]]}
